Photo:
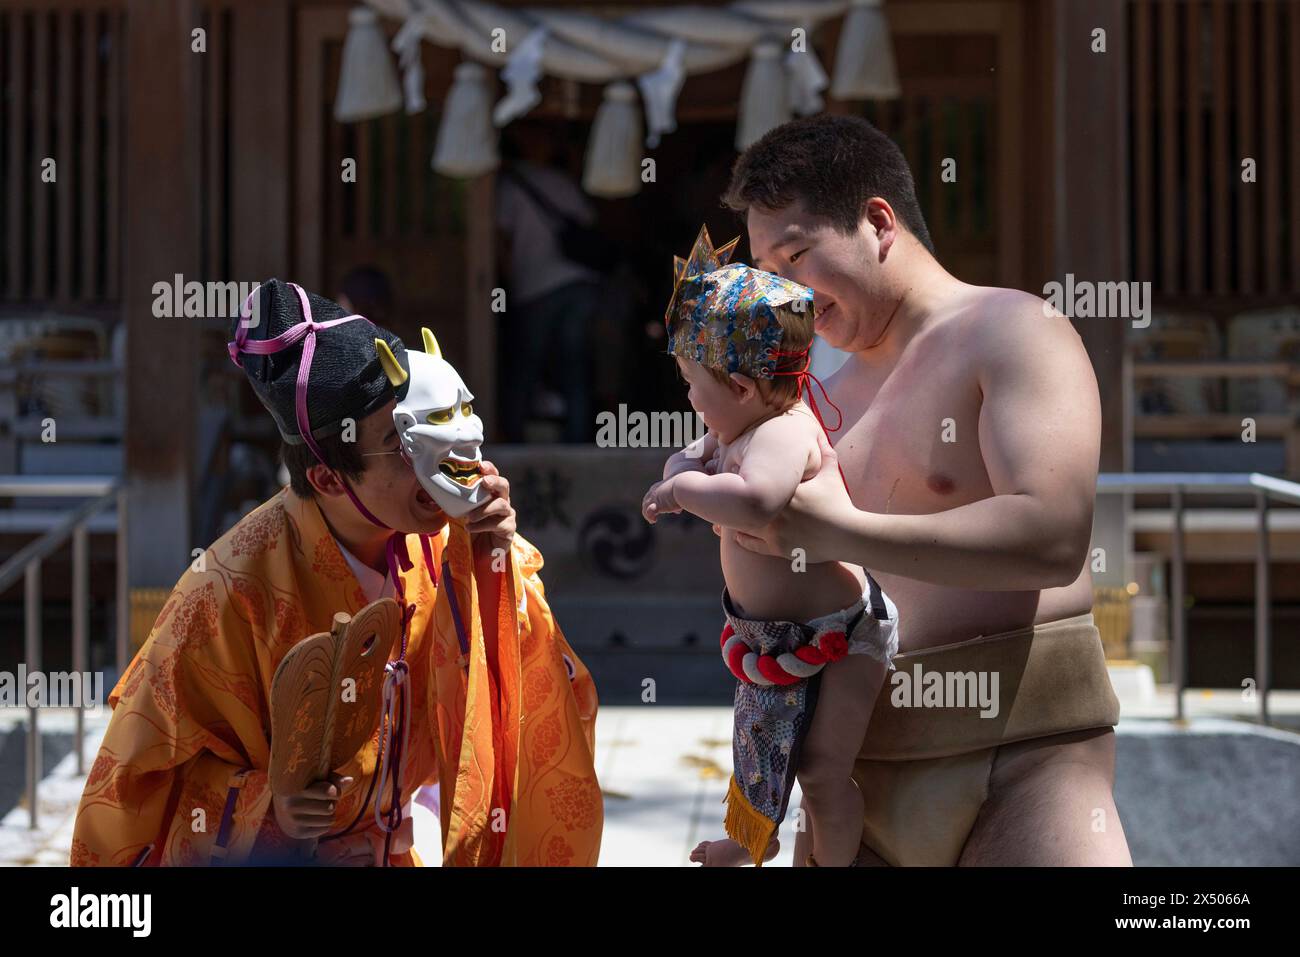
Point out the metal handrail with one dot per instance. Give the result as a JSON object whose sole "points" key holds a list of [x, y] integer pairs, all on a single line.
{"points": [[1265, 489], [85, 368], [27, 564], [68, 486], [1200, 482]]}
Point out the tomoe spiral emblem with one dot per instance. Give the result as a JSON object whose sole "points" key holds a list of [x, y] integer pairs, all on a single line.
{"points": [[616, 542]]}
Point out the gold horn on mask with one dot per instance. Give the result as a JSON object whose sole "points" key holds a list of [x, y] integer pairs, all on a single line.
{"points": [[392, 368], [430, 343]]}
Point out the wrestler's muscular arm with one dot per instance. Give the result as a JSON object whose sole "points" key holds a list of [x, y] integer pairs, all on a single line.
{"points": [[1039, 434]]}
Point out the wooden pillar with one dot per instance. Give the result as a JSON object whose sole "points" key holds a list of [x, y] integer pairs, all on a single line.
{"points": [[160, 226], [1091, 223], [480, 320], [261, 124]]}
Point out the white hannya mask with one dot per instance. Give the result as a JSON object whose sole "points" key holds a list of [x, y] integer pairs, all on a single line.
{"points": [[439, 431]]}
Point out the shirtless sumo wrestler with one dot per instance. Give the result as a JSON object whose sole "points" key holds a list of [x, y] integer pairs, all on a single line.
{"points": [[970, 444]]}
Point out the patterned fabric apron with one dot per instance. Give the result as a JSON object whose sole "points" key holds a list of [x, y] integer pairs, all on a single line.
{"points": [[771, 721]]}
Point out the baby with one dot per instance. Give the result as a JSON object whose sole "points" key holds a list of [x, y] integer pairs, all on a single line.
{"points": [[741, 338]]}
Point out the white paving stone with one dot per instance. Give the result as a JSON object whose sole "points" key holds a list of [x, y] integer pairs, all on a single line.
{"points": [[58, 795]]}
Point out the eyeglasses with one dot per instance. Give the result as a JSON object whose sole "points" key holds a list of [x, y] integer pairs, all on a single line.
{"points": [[393, 452]]}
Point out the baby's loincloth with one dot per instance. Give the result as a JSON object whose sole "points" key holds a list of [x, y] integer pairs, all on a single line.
{"points": [[875, 634], [778, 666], [870, 627]]}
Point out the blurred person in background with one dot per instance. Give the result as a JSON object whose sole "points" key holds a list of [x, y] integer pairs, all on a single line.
{"points": [[553, 262]]}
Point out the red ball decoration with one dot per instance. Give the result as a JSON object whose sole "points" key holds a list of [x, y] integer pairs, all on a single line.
{"points": [[834, 645]]}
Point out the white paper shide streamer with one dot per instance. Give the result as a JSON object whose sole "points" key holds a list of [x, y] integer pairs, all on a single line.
{"points": [[407, 47], [807, 79], [657, 47], [763, 101], [659, 89], [521, 74]]}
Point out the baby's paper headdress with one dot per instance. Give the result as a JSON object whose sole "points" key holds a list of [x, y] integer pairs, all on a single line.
{"points": [[726, 316]]}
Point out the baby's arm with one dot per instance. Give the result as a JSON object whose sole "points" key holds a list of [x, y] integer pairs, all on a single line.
{"points": [[774, 464], [694, 457]]}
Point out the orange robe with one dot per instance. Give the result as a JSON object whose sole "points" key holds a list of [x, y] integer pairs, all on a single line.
{"points": [[507, 730]]}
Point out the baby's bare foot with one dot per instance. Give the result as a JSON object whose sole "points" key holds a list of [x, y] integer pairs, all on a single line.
{"points": [[727, 853]]}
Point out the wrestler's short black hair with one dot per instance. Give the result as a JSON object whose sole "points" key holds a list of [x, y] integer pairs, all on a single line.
{"points": [[343, 457], [833, 164]]}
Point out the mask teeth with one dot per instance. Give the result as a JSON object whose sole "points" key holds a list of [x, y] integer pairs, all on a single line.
{"points": [[466, 476]]}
